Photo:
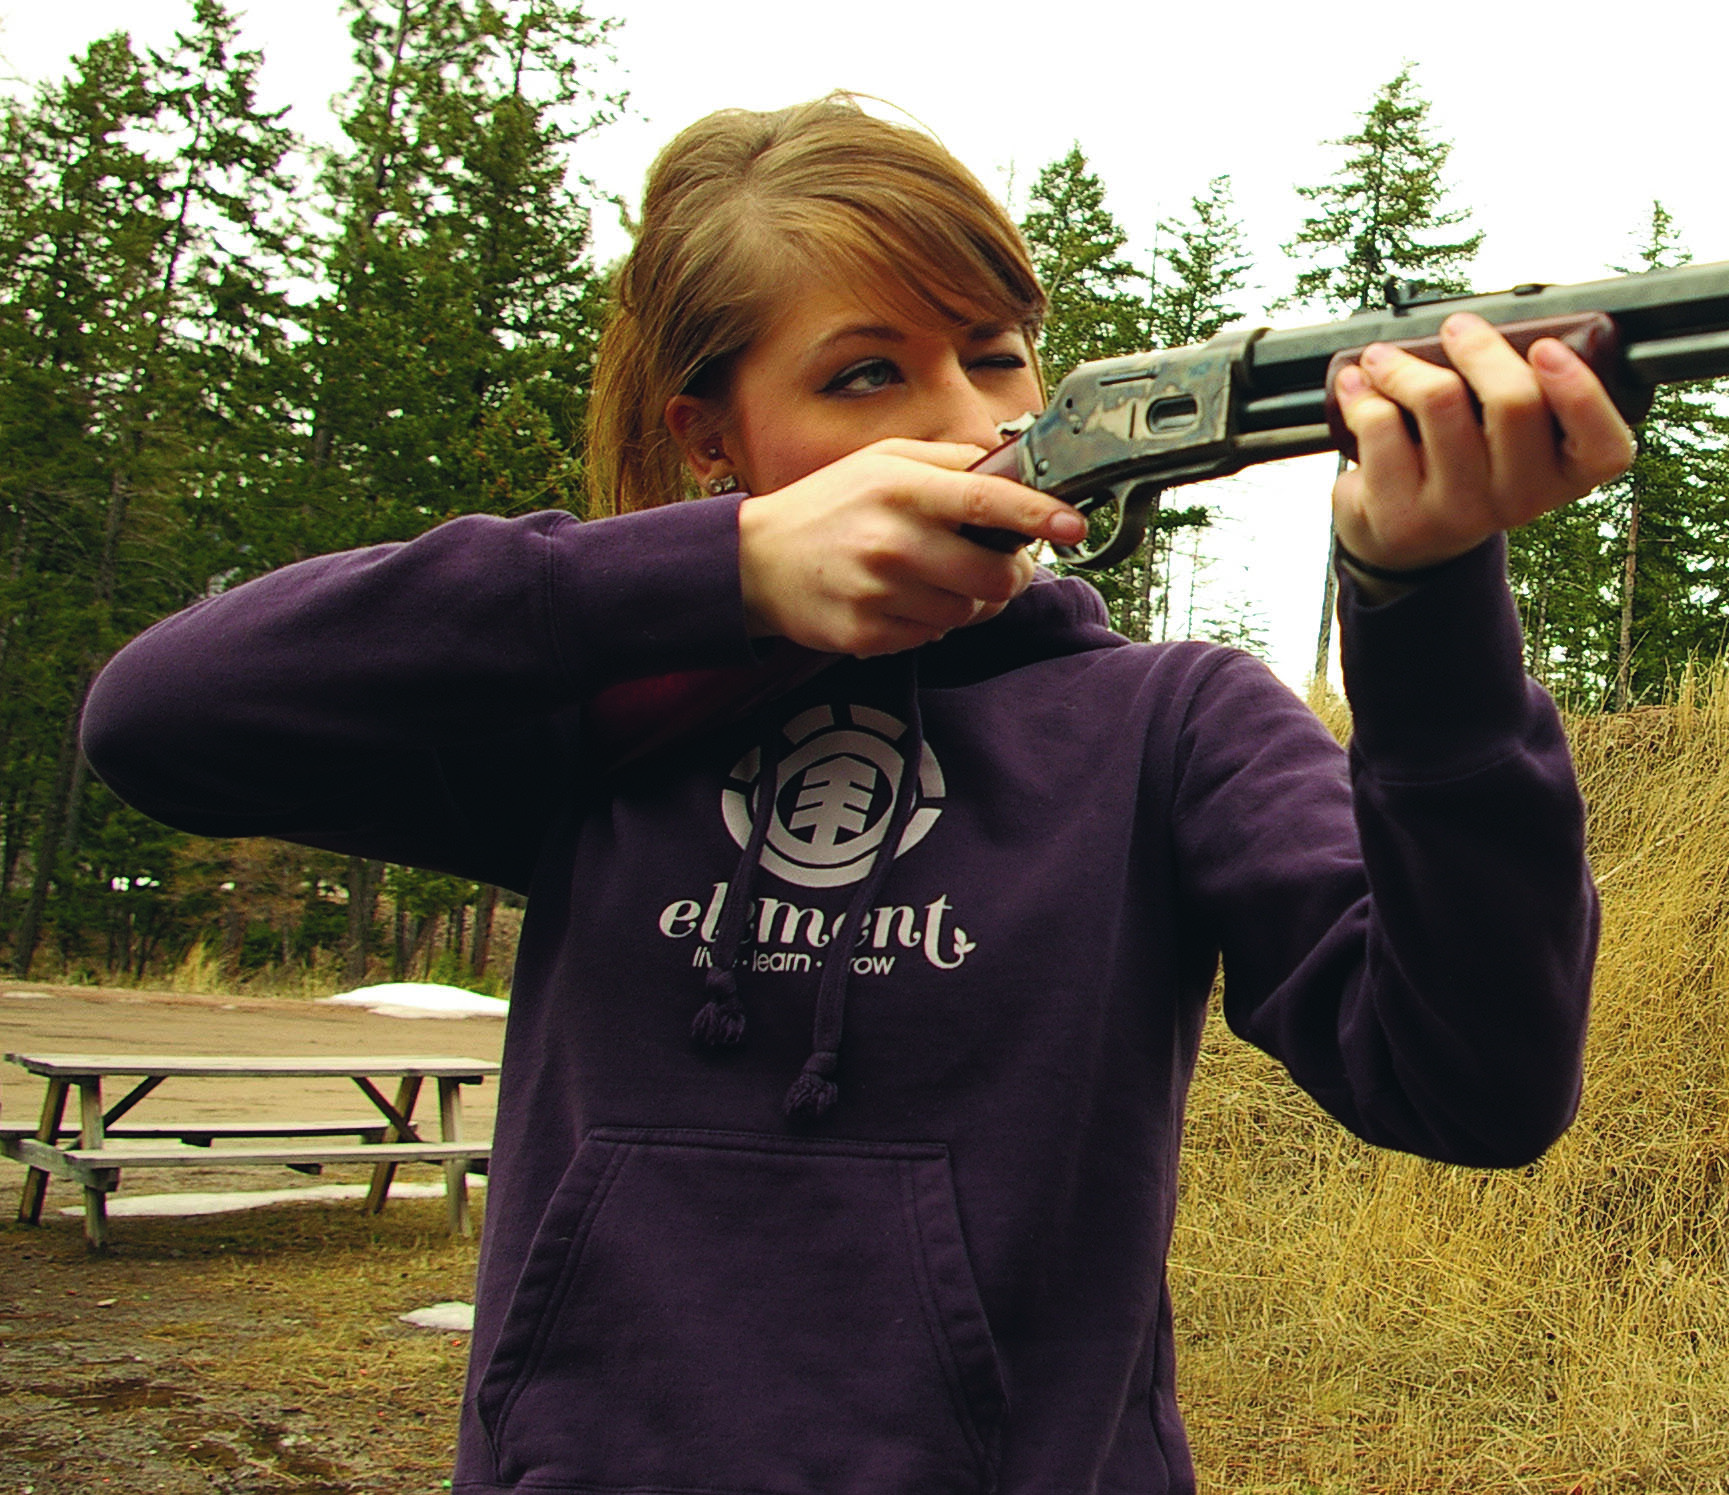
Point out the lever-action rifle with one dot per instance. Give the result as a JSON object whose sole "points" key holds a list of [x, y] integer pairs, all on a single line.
{"points": [[1122, 430]]}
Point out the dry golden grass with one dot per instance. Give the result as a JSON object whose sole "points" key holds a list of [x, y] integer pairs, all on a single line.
{"points": [[1358, 1321]]}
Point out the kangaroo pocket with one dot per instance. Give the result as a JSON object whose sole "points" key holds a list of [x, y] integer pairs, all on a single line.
{"points": [[719, 1312]]}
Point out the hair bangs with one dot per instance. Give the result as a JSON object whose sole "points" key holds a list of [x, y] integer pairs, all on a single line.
{"points": [[933, 269]]}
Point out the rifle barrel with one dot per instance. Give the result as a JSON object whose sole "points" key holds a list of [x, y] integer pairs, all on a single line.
{"points": [[1674, 324], [1297, 407], [1289, 441], [1676, 360]]}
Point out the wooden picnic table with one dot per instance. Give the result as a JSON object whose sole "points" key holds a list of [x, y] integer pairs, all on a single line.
{"points": [[385, 1142]]}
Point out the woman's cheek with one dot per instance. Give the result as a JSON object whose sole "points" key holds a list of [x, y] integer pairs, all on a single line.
{"points": [[786, 458]]}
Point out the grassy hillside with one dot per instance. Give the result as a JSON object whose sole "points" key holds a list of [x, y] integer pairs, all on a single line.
{"points": [[1357, 1321]]}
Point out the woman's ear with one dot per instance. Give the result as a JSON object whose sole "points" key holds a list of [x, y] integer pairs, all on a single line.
{"points": [[699, 428]]}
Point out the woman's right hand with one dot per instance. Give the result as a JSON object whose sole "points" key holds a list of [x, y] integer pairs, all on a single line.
{"points": [[865, 557]]}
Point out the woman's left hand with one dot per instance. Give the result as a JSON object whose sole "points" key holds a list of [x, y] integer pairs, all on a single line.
{"points": [[1547, 435]]}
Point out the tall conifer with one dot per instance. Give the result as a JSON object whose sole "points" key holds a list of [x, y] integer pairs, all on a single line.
{"points": [[1621, 590], [195, 384], [1673, 512], [452, 346], [1200, 266], [1095, 299], [129, 298], [1384, 215], [1103, 306]]}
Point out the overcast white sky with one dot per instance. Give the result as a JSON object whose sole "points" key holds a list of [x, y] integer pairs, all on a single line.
{"points": [[1568, 119]]}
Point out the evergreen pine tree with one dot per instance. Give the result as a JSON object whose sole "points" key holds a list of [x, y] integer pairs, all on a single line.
{"points": [[128, 302], [1619, 591], [1564, 578], [1098, 310], [1669, 521], [1383, 216], [158, 384], [1095, 306], [452, 349], [1199, 267], [1384, 213], [1209, 267]]}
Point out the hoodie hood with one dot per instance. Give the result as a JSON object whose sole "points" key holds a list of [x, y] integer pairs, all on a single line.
{"points": [[1054, 617]]}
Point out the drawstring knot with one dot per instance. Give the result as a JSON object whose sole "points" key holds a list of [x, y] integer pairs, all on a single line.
{"points": [[720, 1023], [813, 1092]]}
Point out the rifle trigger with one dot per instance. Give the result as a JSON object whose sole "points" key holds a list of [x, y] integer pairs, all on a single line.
{"points": [[1135, 499]]}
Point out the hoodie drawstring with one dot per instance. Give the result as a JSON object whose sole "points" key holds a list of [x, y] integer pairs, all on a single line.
{"points": [[720, 1022], [814, 1091]]}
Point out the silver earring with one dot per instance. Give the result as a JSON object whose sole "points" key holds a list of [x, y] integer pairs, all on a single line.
{"points": [[728, 484]]}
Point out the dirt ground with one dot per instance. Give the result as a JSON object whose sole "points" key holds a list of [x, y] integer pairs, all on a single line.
{"points": [[234, 1353]]}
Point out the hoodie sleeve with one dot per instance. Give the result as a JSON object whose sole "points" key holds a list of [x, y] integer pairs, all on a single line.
{"points": [[413, 701], [1414, 939]]}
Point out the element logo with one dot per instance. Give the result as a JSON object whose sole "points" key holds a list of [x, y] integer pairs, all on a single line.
{"points": [[834, 793]]}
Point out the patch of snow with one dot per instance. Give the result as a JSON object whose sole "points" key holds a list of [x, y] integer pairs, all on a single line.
{"points": [[421, 999], [445, 1316], [394, 1009], [167, 1206]]}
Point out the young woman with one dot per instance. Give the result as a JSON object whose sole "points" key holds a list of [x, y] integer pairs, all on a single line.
{"points": [[836, 1148]]}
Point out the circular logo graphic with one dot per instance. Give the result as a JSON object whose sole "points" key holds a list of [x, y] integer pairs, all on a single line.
{"points": [[833, 794]]}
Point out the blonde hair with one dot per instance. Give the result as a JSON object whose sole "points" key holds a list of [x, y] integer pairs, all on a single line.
{"points": [[740, 204]]}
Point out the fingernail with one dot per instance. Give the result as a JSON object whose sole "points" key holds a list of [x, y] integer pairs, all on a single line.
{"points": [[1352, 382], [1551, 356], [1374, 355], [1461, 322], [1068, 527]]}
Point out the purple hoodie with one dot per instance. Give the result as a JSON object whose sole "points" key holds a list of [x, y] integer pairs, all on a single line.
{"points": [[944, 1269]]}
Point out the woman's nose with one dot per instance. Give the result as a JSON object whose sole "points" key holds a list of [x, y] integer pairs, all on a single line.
{"points": [[959, 411]]}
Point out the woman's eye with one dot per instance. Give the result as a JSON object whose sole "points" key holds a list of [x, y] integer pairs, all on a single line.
{"points": [[1001, 361], [862, 378]]}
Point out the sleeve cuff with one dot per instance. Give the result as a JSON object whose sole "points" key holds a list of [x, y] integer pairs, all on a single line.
{"points": [[1436, 676]]}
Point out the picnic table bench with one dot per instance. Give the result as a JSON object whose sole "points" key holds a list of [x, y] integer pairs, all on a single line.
{"points": [[384, 1143]]}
